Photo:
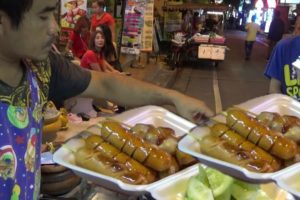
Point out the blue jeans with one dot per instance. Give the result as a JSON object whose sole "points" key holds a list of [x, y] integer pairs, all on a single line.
{"points": [[248, 48]]}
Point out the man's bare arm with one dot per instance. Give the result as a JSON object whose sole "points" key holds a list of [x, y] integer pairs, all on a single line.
{"points": [[131, 92]]}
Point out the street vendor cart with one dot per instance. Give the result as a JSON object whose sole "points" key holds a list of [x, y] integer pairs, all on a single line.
{"points": [[198, 43]]}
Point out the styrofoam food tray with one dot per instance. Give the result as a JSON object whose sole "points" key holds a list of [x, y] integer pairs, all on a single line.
{"points": [[149, 115], [175, 190], [284, 177]]}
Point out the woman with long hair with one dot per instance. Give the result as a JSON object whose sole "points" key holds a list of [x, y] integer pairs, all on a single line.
{"points": [[109, 49], [79, 38], [94, 58]]}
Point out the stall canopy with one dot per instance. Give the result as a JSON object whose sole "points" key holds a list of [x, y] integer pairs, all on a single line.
{"points": [[194, 6]]}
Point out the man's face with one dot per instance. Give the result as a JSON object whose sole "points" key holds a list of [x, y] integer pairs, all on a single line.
{"points": [[35, 34]]}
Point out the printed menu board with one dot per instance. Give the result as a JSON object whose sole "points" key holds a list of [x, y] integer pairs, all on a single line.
{"points": [[138, 27], [147, 34]]}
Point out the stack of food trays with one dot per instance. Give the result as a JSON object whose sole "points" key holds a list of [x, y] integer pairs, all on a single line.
{"points": [[280, 164], [156, 116]]}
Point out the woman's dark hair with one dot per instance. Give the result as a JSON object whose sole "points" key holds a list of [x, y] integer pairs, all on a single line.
{"points": [[108, 48], [101, 3], [82, 22], [15, 9]]}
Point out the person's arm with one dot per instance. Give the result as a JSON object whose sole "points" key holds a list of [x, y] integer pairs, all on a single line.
{"points": [[70, 43], [108, 68], [69, 80], [96, 67], [92, 24], [69, 46], [90, 61], [274, 86], [127, 91], [112, 29]]}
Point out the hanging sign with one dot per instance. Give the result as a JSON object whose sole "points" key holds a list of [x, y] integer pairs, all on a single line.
{"points": [[136, 35], [71, 11], [148, 28], [132, 27]]}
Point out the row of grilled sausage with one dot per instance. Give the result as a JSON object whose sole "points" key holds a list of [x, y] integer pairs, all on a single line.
{"points": [[120, 154], [245, 141]]}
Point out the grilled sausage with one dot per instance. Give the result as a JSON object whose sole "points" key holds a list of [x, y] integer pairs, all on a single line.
{"points": [[231, 137], [249, 128], [216, 147], [93, 160], [147, 154], [99, 145]]}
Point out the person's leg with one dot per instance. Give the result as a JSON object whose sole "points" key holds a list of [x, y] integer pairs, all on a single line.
{"points": [[250, 44], [247, 50]]}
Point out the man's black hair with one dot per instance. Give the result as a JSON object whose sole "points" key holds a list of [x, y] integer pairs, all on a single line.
{"points": [[15, 9]]}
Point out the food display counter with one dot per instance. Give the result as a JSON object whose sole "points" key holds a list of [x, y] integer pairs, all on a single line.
{"points": [[208, 47], [199, 47], [275, 184]]}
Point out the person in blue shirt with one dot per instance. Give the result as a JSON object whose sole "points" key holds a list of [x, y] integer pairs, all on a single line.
{"points": [[284, 77]]}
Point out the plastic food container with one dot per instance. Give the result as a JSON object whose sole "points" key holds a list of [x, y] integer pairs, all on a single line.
{"points": [[287, 178], [175, 189], [149, 115]]}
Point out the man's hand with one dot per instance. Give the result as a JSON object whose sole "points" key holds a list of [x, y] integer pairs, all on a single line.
{"points": [[192, 109]]}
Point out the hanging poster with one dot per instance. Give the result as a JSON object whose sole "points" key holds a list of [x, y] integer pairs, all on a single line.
{"points": [[71, 10], [133, 27], [147, 34], [137, 33]]}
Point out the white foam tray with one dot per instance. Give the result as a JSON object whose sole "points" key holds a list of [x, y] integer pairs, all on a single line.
{"points": [[149, 115], [285, 178]]}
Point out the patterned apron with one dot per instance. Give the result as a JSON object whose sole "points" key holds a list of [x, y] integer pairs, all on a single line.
{"points": [[20, 145]]}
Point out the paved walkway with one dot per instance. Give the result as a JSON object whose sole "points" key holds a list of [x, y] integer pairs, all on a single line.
{"points": [[155, 71], [232, 82]]}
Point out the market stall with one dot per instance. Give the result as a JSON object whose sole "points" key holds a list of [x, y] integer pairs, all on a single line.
{"points": [[269, 161], [201, 35]]}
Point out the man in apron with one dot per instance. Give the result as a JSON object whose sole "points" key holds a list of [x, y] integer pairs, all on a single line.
{"points": [[29, 76]]}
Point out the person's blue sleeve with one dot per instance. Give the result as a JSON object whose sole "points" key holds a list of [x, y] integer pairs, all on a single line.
{"points": [[275, 64]]}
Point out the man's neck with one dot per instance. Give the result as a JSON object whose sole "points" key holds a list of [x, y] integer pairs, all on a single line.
{"points": [[11, 71]]}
